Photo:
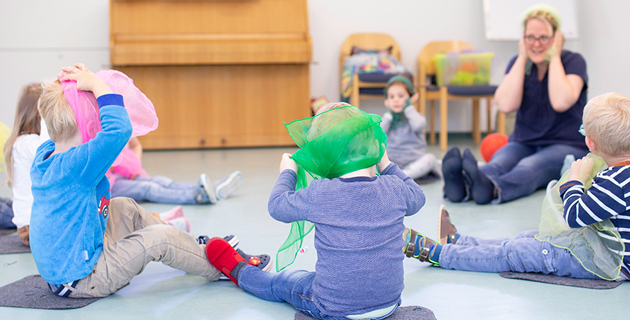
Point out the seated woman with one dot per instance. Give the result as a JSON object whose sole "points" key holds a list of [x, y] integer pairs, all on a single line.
{"points": [[547, 85]]}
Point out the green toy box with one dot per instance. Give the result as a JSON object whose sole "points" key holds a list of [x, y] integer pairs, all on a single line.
{"points": [[463, 68]]}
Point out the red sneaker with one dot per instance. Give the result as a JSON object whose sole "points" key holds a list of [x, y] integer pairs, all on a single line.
{"points": [[223, 257]]}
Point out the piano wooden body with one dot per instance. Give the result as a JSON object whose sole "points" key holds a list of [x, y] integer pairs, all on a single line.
{"points": [[221, 73]]}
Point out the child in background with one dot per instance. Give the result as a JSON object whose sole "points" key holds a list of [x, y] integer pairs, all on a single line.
{"points": [[6, 204], [358, 219], [133, 182], [84, 243], [404, 126], [606, 126], [19, 151]]}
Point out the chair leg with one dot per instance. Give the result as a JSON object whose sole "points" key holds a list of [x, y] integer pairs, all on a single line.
{"points": [[443, 118], [432, 122], [476, 125], [501, 122], [354, 95], [489, 111]]}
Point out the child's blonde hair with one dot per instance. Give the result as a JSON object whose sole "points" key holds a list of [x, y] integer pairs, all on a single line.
{"points": [[607, 122], [57, 112], [27, 121], [321, 124]]}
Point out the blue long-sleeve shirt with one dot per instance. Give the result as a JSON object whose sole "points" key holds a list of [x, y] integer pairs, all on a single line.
{"points": [[358, 227], [71, 197], [607, 198]]}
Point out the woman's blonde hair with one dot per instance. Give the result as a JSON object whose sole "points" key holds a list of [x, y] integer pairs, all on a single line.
{"points": [[57, 112], [544, 16], [607, 122], [27, 121]]}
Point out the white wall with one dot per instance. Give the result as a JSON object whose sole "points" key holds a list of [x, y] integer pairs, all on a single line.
{"points": [[37, 37]]}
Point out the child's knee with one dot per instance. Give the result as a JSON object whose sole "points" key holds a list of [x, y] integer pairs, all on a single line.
{"points": [[529, 255]]}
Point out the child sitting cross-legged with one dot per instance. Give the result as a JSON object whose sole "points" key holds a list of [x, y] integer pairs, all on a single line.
{"points": [[404, 126], [588, 244], [358, 218], [84, 243]]}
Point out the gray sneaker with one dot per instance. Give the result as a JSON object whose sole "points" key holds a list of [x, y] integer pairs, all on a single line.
{"points": [[204, 192], [226, 186]]}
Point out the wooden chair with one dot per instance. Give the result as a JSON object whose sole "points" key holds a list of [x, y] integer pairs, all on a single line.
{"points": [[366, 85], [431, 92]]}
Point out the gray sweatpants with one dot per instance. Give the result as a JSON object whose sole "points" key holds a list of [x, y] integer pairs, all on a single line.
{"points": [[421, 166], [133, 238]]}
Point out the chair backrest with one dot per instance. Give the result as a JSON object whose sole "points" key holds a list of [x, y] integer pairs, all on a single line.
{"points": [[368, 41], [425, 63]]}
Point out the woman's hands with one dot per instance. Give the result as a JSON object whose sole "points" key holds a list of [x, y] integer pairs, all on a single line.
{"points": [[522, 50], [556, 48]]}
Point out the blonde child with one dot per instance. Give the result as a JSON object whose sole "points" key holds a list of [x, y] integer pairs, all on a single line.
{"points": [[606, 127], [29, 132], [84, 243], [358, 219], [404, 126]]}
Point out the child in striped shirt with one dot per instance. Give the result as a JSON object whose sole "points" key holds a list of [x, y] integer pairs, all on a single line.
{"points": [[607, 128]]}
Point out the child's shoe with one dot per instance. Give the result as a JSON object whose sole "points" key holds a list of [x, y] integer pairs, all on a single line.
{"points": [[418, 246], [231, 239], [223, 257], [181, 223], [228, 185], [176, 212], [447, 233], [204, 192], [261, 261]]}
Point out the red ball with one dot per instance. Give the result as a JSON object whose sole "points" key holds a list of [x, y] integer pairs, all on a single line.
{"points": [[491, 143]]}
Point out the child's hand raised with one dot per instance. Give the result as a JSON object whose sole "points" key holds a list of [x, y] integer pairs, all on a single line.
{"points": [[581, 169], [86, 81], [288, 163]]}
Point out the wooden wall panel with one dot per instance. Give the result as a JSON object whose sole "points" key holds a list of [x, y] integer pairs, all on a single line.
{"points": [[223, 106], [220, 73]]}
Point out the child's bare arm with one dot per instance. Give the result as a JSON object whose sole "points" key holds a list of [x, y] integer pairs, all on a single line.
{"points": [[135, 146]]}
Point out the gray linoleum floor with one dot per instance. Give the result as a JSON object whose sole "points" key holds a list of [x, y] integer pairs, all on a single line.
{"points": [[164, 293]]}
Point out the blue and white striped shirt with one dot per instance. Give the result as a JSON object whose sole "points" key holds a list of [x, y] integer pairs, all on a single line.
{"points": [[607, 198]]}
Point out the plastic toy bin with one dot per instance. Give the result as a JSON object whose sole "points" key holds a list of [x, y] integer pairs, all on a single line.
{"points": [[463, 68]]}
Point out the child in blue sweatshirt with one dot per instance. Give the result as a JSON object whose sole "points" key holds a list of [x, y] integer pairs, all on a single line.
{"points": [[84, 243]]}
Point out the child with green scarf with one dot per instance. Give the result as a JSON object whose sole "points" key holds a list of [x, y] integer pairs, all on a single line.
{"points": [[358, 218]]}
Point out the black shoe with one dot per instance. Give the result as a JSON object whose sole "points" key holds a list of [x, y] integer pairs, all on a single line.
{"points": [[482, 189], [454, 185], [231, 239], [261, 261]]}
